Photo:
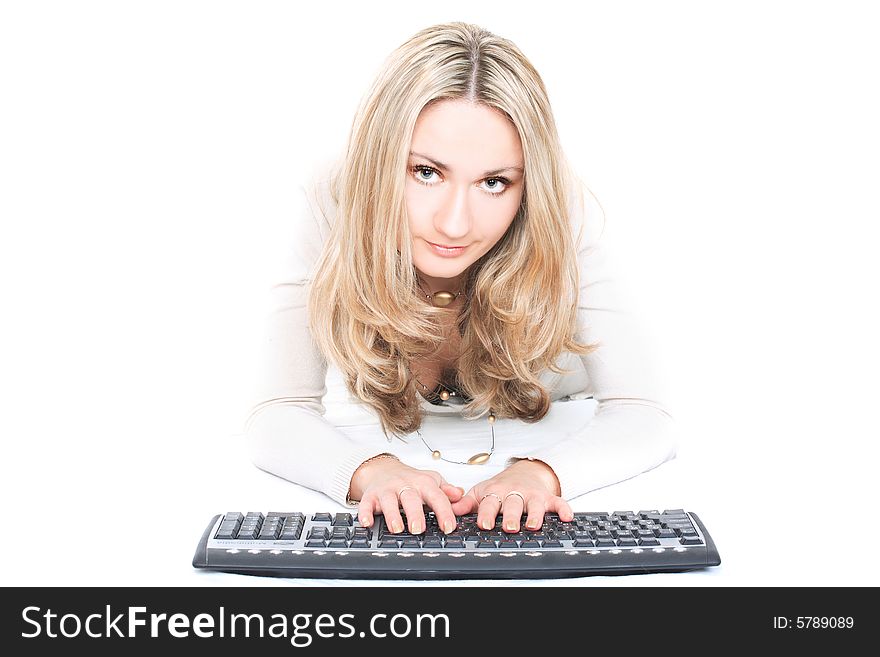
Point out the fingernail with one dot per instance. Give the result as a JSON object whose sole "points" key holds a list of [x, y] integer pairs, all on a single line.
{"points": [[510, 527], [532, 524], [397, 526], [416, 528], [449, 527]]}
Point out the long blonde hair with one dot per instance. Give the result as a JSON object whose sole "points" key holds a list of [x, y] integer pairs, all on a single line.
{"points": [[520, 308]]}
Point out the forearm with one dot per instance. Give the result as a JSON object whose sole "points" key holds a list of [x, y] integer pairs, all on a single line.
{"points": [[301, 446], [623, 439]]}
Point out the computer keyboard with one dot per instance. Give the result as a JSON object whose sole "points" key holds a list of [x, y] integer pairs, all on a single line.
{"points": [[336, 546]]}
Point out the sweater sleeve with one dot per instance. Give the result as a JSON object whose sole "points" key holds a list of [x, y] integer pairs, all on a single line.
{"points": [[631, 431], [286, 432]]}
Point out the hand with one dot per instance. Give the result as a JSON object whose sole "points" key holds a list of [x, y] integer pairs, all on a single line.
{"points": [[533, 480], [384, 485]]}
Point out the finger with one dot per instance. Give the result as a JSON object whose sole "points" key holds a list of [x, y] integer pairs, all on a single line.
{"points": [[562, 508], [490, 505], [536, 511], [467, 504], [390, 509], [365, 510], [512, 511], [439, 502], [454, 493], [411, 501]]}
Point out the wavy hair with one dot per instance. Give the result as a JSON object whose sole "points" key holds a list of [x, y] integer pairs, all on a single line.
{"points": [[520, 308]]}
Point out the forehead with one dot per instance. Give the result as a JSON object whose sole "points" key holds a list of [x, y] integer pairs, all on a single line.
{"points": [[467, 136]]}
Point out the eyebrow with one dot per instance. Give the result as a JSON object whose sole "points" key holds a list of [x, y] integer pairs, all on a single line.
{"points": [[445, 167]]}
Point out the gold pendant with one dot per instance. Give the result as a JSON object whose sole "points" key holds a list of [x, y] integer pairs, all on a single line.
{"points": [[442, 299], [435, 454], [479, 459]]}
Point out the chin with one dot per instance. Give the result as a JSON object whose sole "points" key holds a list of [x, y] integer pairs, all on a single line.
{"points": [[439, 267]]}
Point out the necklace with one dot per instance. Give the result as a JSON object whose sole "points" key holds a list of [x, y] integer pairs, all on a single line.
{"points": [[446, 393], [441, 298]]}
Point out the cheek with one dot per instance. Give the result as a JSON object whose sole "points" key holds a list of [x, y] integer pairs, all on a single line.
{"points": [[417, 206], [497, 217]]}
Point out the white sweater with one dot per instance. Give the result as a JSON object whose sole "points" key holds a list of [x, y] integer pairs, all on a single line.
{"points": [[288, 434]]}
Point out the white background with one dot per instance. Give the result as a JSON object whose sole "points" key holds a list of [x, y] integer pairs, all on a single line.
{"points": [[149, 157]]}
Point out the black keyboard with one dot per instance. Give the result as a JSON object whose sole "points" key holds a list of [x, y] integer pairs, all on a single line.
{"points": [[335, 545]]}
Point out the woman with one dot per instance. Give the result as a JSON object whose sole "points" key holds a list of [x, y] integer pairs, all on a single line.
{"points": [[449, 258]]}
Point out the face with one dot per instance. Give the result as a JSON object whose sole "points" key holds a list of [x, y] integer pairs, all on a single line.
{"points": [[463, 189]]}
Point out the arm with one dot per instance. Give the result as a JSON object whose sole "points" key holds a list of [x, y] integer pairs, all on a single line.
{"points": [[631, 431], [285, 431]]}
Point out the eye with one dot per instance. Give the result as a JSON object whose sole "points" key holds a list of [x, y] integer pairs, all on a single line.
{"points": [[498, 187], [421, 169]]}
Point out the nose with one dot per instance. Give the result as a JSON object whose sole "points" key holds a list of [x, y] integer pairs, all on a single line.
{"points": [[453, 217]]}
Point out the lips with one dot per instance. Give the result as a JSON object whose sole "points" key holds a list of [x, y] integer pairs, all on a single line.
{"points": [[446, 251]]}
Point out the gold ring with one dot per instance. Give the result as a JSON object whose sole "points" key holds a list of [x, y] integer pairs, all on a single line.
{"points": [[498, 497], [518, 494], [403, 489]]}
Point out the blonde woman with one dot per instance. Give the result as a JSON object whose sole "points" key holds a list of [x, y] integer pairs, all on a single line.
{"points": [[449, 261]]}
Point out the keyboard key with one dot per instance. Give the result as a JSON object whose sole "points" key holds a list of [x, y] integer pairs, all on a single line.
{"points": [[269, 533], [322, 517], [690, 540], [247, 533], [343, 519]]}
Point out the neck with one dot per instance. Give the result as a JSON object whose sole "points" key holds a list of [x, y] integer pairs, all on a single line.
{"points": [[434, 284]]}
